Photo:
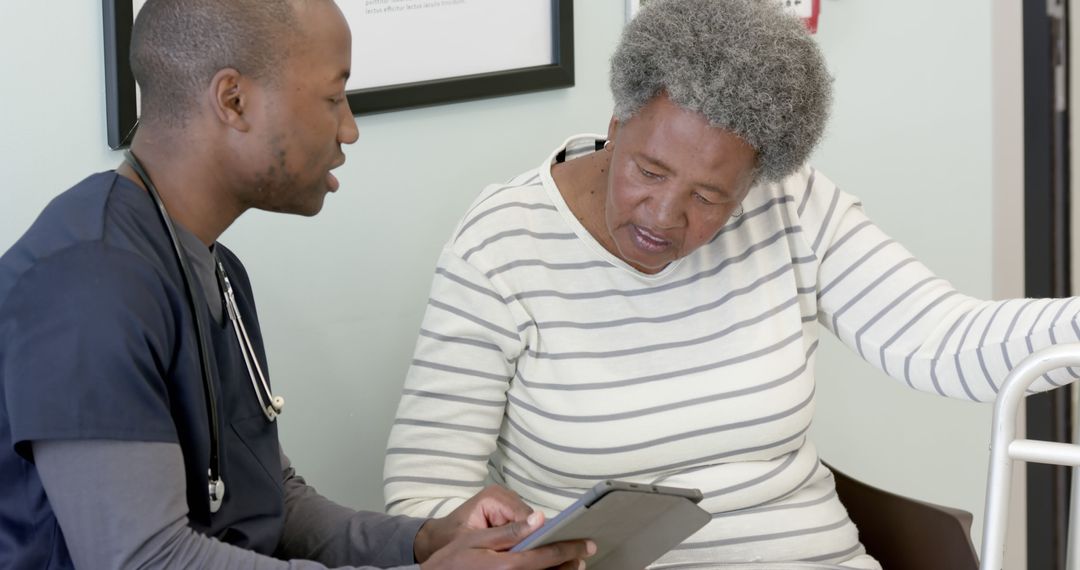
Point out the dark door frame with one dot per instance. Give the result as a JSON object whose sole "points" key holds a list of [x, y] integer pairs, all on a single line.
{"points": [[1046, 257]]}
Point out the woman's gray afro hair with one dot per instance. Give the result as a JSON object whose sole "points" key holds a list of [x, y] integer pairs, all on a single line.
{"points": [[746, 65]]}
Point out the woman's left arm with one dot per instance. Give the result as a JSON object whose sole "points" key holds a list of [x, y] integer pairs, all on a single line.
{"points": [[895, 313]]}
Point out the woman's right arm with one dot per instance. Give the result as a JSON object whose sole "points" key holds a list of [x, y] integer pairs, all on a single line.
{"points": [[452, 404]]}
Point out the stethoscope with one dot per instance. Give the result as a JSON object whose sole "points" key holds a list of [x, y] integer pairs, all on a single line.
{"points": [[270, 404]]}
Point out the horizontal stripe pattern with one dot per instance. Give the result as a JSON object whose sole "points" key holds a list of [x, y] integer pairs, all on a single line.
{"points": [[546, 364]]}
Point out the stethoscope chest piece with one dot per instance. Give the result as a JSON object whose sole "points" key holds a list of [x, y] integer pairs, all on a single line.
{"points": [[217, 494]]}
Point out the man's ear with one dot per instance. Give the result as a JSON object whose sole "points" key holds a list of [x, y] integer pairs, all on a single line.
{"points": [[229, 98]]}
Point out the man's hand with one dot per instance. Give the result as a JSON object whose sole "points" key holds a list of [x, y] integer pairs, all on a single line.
{"points": [[478, 532], [494, 506], [480, 549]]}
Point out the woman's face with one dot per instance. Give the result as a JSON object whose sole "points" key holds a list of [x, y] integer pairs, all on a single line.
{"points": [[673, 183]]}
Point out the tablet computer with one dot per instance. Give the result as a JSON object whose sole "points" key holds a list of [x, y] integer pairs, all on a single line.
{"points": [[632, 524]]}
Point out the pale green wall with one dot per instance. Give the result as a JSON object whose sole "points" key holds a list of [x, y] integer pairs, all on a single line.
{"points": [[911, 136], [341, 296]]}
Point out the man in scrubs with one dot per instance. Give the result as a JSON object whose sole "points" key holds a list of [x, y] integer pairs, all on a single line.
{"points": [[104, 433]]}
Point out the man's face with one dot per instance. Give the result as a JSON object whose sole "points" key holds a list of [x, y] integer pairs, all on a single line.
{"points": [[304, 117], [674, 181]]}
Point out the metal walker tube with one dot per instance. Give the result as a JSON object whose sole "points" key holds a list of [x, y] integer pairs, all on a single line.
{"points": [[1005, 448]]}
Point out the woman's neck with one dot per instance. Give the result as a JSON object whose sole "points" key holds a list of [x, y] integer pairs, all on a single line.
{"points": [[582, 182]]}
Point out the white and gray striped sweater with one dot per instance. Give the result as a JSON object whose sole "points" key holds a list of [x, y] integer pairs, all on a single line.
{"points": [[549, 362]]}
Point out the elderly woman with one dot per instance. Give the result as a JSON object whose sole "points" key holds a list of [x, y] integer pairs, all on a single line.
{"points": [[646, 305]]}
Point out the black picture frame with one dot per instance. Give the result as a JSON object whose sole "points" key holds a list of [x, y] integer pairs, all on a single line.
{"points": [[120, 95]]}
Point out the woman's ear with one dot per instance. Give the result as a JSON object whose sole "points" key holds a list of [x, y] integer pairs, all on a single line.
{"points": [[229, 98], [613, 126]]}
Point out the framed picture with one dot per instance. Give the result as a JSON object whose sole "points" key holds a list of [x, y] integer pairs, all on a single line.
{"points": [[406, 53]]}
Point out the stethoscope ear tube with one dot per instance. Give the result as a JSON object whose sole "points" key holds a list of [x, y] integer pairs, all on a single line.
{"points": [[270, 404], [216, 485]]}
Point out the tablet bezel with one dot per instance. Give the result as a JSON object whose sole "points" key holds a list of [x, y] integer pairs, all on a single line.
{"points": [[635, 522]]}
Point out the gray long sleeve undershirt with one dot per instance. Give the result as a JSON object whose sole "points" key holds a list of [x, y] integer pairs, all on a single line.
{"points": [[141, 487], [123, 504]]}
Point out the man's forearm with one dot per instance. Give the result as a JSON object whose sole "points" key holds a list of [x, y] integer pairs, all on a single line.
{"points": [[122, 504], [320, 529]]}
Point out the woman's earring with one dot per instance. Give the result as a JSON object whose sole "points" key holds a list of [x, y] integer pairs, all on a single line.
{"points": [[607, 144], [738, 212]]}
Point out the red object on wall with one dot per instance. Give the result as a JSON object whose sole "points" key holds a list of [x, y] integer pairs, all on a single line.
{"points": [[815, 11], [808, 10]]}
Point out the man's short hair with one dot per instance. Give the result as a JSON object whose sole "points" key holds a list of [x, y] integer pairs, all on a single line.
{"points": [[178, 45]]}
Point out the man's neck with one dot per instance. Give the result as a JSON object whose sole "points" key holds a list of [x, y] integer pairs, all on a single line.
{"points": [[195, 194]]}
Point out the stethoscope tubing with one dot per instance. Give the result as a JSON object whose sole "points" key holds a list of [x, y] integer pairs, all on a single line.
{"points": [[216, 486], [271, 405]]}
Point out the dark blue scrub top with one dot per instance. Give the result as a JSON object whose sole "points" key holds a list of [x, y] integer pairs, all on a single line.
{"points": [[97, 341]]}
